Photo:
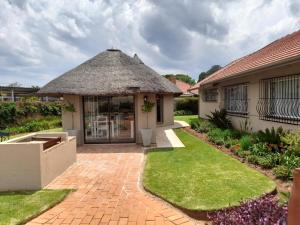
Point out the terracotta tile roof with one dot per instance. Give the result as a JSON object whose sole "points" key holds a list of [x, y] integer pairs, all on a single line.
{"points": [[182, 86], [283, 49]]}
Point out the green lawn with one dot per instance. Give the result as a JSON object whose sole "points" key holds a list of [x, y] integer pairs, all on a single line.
{"points": [[200, 177], [187, 119], [18, 207]]}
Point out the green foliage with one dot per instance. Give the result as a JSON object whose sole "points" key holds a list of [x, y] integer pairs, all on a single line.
{"points": [[292, 140], [252, 159], [201, 126], [270, 136], [220, 137], [189, 104], [15, 113], [213, 69], [183, 113], [282, 172], [183, 77], [260, 149], [266, 162], [246, 142], [219, 118], [34, 125], [290, 161]]}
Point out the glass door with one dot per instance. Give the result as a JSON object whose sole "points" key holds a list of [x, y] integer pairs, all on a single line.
{"points": [[122, 119], [96, 119], [108, 119]]}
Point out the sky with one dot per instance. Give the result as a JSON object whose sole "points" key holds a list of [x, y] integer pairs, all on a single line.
{"points": [[42, 39]]}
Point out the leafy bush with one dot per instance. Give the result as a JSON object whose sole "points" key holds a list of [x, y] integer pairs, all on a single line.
{"points": [[219, 118], [271, 137], [252, 159], [265, 210], [202, 126], [35, 125], [187, 104], [246, 142], [245, 126], [231, 142], [266, 162], [15, 113], [293, 142], [290, 161], [260, 149], [282, 172]]}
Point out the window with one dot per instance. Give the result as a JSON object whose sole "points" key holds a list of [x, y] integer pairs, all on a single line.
{"points": [[279, 99], [210, 95], [236, 99]]}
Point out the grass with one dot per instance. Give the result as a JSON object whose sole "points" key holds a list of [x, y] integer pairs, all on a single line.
{"points": [[200, 177], [188, 118], [18, 207]]}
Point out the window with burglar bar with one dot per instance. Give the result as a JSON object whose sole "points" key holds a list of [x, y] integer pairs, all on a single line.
{"points": [[279, 99], [236, 99], [211, 95]]}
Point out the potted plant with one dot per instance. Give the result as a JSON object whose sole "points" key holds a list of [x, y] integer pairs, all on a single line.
{"points": [[69, 107], [147, 132]]}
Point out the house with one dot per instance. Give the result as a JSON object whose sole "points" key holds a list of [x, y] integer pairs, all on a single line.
{"points": [[108, 92], [262, 87], [13, 94], [184, 87]]}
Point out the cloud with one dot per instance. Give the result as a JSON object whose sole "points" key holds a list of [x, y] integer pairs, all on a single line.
{"points": [[39, 40]]}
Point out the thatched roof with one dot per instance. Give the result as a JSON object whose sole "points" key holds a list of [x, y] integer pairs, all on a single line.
{"points": [[109, 73]]}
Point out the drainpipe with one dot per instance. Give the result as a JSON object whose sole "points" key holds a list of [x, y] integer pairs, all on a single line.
{"points": [[294, 202]]}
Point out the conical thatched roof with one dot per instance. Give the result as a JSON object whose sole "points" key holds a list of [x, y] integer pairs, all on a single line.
{"points": [[110, 73]]}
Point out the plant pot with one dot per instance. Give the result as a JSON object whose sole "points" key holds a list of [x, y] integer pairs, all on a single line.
{"points": [[146, 136], [74, 133]]}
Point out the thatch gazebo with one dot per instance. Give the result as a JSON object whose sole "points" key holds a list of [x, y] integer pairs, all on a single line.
{"points": [[108, 92]]}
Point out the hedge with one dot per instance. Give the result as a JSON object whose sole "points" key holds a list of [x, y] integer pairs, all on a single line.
{"points": [[188, 104], [12, 113]]}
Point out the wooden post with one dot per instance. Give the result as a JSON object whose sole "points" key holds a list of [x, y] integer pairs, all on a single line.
{"points": [[294, 203]]}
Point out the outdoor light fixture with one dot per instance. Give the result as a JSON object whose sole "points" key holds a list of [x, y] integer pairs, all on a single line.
{"points": [[145, 98]]}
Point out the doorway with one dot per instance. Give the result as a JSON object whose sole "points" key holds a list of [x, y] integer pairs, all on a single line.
{"points": [[108, 119], [159, 109]]}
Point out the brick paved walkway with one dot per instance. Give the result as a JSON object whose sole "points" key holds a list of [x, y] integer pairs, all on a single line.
{"points": [[108, 192]]}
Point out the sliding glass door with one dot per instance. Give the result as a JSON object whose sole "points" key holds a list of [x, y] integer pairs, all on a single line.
{"points": [[109, 119]]}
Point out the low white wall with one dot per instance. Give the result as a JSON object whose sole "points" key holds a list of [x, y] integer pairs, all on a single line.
{"points": [[20, 166], [26, 166], [55, 160]]}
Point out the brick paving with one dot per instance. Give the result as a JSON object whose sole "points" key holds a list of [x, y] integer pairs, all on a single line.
{"points": [[108, 192]]}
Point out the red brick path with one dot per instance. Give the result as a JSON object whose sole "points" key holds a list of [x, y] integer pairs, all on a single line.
{"points": [[108, 192]]}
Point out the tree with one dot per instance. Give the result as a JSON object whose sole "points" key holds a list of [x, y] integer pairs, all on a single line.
{"points": [[183, 77], [212, 70]]}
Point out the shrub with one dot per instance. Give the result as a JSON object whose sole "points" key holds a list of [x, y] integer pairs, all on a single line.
{"points": [[271, 137], [265, 210], [266, 162], [282, 172], [243, 154], [290, 161], [202, 126], [35, 125], [183, 112], [293, 142], [219, 119], [246, 142], [260, 149], [252, 159], [187, 104], [231, 142], [216, 136]]}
